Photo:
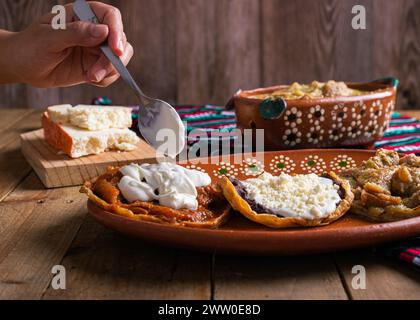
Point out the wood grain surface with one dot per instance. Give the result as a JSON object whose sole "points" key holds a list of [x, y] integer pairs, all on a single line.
{"points": [[304, 278], [13, 166], [58, 170], [38, 227], [41, 228], [197, 51], [384, 280], [105, 265]]}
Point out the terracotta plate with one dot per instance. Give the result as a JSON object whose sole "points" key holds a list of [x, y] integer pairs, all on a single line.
{"points": [[242, 236]]}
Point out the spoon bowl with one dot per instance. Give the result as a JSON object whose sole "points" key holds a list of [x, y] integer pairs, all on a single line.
{"points": [[161, 127]]}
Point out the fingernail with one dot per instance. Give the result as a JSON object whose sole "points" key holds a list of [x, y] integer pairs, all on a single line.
{"points": [[100, 75], [98, 30], [121, 46]]}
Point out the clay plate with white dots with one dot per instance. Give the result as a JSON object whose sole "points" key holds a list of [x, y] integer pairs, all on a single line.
{"points": [[241, 236]]}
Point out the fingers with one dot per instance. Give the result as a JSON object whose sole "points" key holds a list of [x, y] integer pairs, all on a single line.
{"points": [[78, 33], [108, 15], [100, 70], [107, 81], [113, 20], [124, 40], [102, 73]]}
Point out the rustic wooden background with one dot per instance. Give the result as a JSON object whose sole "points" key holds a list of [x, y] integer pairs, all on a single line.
{"points": [[201, 51]]}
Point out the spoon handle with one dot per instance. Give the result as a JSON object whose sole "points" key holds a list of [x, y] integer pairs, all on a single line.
{"points": [[84, 12]]}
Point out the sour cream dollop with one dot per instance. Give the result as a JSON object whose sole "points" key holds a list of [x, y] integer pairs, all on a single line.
{"points": [[171, 185], [306, 196]]}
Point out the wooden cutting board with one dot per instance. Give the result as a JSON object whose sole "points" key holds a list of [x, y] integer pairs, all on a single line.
{"points": [[58, 170]]}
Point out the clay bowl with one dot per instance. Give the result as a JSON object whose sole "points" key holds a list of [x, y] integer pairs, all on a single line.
{"points": [[320, 123]]}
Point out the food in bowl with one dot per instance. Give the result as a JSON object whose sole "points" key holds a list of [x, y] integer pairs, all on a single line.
{"points": [[289, 201], [314, 90], [386, 187], [357, 114], [164, 193]]}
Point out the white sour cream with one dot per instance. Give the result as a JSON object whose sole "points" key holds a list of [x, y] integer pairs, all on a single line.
{"points": [[171, 185], [306, 196]]}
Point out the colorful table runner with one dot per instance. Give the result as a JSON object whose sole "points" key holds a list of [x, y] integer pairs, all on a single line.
{"points": [[403, 135], [407, 251]]}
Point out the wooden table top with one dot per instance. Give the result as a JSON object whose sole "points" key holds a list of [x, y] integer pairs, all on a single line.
{"points": [[42, 228]]}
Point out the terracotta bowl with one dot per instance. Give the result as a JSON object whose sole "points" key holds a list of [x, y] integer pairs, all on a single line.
{"points": [[320, 123]]}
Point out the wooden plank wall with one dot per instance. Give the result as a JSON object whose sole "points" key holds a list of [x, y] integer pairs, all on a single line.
{"points": [[201, 51]]}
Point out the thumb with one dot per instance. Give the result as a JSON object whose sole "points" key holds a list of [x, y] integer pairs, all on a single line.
{"points": [[79, 33]]}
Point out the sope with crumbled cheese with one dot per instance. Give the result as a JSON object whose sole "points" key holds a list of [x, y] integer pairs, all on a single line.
{"points": [[306, 196]]}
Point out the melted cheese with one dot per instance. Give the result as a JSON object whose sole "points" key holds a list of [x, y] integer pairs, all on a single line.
{"points": [[172, 185], [305, 196]]}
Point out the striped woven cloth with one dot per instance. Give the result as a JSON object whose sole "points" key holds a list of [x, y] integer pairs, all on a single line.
{"points": [[403, 135], [407, 252]]}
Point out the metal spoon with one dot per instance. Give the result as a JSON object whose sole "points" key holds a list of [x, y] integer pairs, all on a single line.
{"points": [[154, 115]]}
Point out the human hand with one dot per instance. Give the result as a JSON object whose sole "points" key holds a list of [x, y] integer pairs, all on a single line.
{"points": [[44, 57]]}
